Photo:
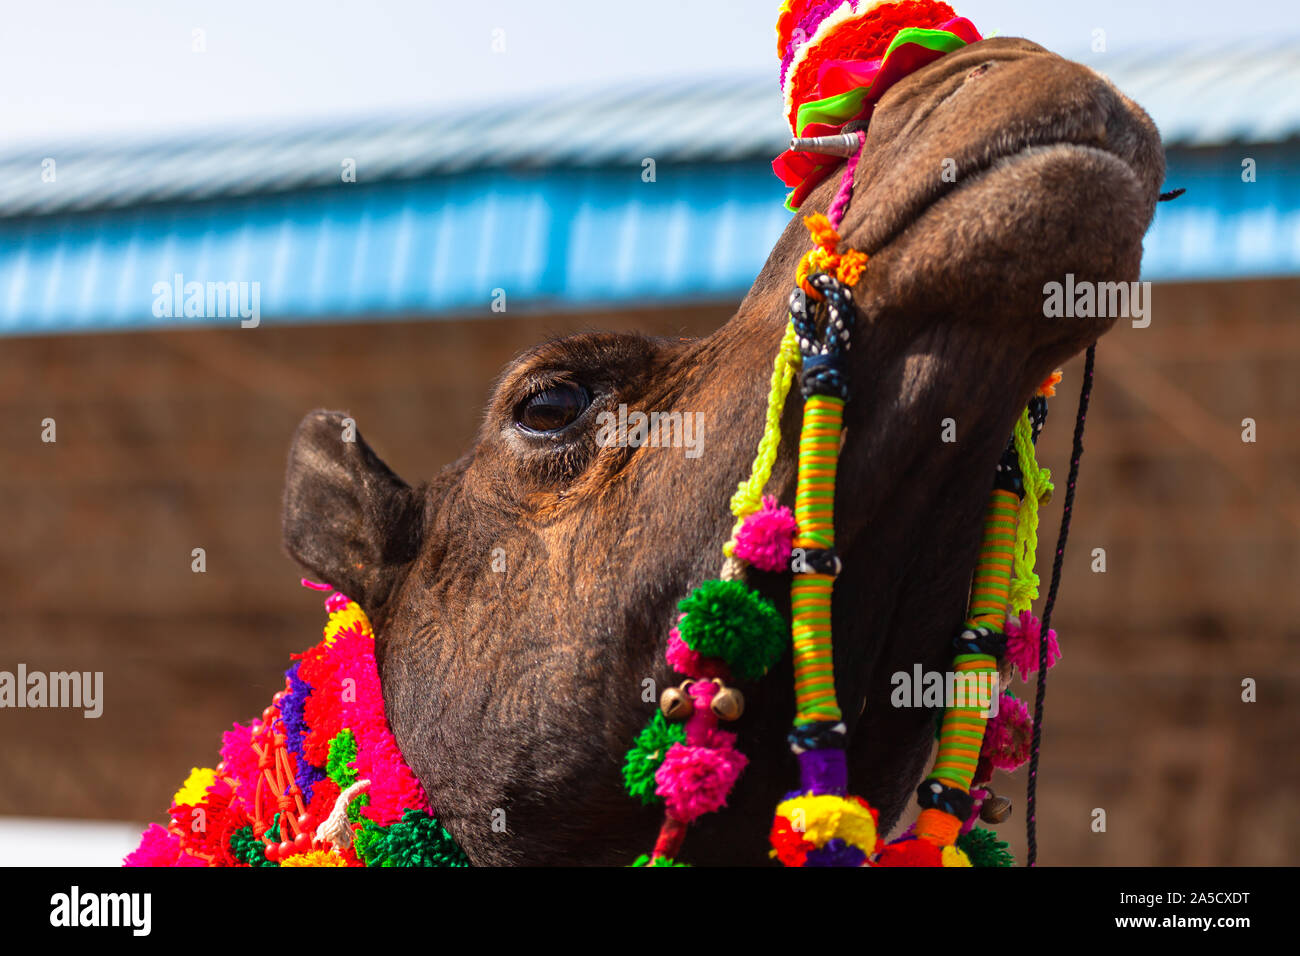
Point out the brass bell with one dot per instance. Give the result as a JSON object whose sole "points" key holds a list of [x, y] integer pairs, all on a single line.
{"points": [[728, 704], [676, 704], [995, 809]]}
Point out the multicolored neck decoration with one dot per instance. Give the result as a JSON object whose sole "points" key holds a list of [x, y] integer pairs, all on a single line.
{"points": [[837, 61], [839, 58], [318, 780]]}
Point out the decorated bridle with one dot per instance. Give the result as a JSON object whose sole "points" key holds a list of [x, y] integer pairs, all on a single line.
{"points": [[836, 63]]}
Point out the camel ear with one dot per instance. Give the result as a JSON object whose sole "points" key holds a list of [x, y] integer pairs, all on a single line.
{"points": [[347, 517]]}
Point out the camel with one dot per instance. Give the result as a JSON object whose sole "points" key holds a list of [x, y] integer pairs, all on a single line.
{"points": [[523, 596]]}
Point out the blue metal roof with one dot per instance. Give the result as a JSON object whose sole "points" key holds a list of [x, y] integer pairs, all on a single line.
{"points": [[1227, 227], [580, 237], [548, 202]]}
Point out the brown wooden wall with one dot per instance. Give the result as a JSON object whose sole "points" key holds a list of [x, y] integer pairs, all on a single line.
{"points": [[172, 441]]}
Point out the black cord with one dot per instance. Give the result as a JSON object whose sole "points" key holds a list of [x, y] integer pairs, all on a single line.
{"points": [[1085, 392]]}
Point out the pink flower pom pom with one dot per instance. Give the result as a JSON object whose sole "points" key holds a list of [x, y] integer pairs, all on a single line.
{"points": [[696, 780], [1009, 734], [239, 762], [766, 537], [691, 663], [1023, 638], [158, 847]]}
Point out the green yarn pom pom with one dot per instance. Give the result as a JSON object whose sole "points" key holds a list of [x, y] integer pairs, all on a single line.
{"points": [[984, 848], [647, 754], [343, 751], [417, 840], [644, 860], [728, 620], [247, 848]]}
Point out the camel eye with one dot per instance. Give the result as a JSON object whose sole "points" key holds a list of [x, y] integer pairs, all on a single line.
{"points": [[552, 408]]}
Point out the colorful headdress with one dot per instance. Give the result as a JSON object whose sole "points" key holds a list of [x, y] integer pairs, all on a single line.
{"points": [[839, 58]]}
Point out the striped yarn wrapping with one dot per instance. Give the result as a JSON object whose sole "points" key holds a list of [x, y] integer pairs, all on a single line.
{"points": [[810, 594], [991, 585], [962, 730]]}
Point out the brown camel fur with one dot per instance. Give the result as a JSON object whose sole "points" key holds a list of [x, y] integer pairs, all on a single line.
{"points": [[522, 689]]}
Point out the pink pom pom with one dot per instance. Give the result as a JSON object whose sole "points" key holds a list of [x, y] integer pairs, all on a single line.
{"points": [[696, 780], [157, 847], [691, 663], [766, 537], [239, 761], [1023, 637], [1009, 734]]}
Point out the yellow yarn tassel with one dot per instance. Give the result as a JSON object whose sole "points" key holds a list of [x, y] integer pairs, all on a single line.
{"points": [[749, 494], [825, 817], [351, 618], [315, 858], [1038, 490], [195, 787]]}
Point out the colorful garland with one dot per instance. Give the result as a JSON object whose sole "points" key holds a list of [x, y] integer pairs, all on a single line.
{"points": [[318, 780]]}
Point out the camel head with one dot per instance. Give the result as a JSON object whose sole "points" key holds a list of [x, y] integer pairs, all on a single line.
{"points": [[522, 598]]}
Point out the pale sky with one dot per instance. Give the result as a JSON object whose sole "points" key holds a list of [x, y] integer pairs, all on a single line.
{"points": [[81, 69]]}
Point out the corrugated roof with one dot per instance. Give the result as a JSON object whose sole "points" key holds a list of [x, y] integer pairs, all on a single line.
{"points": [[716, 120], [557, 238], [1198, 95], [1208, 94], [448, 245]]}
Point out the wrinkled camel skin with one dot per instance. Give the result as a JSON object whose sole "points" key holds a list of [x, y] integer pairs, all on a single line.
{"points": [[522, 690]]}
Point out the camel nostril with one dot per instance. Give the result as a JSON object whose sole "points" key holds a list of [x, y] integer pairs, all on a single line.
{"points": [[979, 70]]}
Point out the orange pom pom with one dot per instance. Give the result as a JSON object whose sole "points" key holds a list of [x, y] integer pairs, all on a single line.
{"points": [[852, 264], [1048, 388], [822, 232], [847, 267]]}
